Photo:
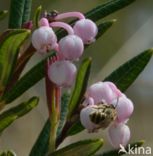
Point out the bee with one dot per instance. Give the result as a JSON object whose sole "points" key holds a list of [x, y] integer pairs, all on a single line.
{"points": [[103, 115]]}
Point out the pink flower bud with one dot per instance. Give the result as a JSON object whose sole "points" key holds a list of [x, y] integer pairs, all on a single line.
{"points": [[102, 92], [124, 108], [86, 30], [62, 73], [44, 39], [85, 118], [71, 47], [27, 25], [118, 134], [43, 22]]}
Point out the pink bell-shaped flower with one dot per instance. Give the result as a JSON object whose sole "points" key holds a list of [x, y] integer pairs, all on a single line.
{"points": [[44, 39], [85, 119], [102, 92], [62, 73], [86, 30], [118, 134], [71, 47], [124, 108]]}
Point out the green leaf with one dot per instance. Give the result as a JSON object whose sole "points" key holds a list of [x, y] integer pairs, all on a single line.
{"points": [[36, 16], [115, 152], [7, 117], [126, 74], [64, 109], [16, 13], [19, 13], [104, 26], [3, 14], [81, 148], [27, 81], [76, 128], [9, 49], [106, 9], [27, 11], [7, 153], [40, 147], [80, 86]]}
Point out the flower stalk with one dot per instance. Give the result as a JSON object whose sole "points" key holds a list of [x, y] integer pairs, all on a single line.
{"points": [[69, 14], [53, 101]]}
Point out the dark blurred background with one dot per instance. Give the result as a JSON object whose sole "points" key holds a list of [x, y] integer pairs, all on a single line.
{"points": [[130, 35]]}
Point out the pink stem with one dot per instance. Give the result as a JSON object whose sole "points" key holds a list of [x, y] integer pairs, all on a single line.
{"points": [[63, 25], [69, 14]]}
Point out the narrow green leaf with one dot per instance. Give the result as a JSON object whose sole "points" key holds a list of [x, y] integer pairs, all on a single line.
{"points": [[3, 14], [64, 109], [115, 152], [76, 128], [80, 85], [106, 9], [126, 74], [81, 148], [37, 16], [8, 153], [104, 26], [27, 81], [16, 13], [40, 147], [7, 117], [26, 11], [9, 49]]}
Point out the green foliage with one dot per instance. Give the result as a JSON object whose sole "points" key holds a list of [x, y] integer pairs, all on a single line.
{"points": [[106, 9], [37, 16], [28, 80], [8, 153], [9, 49], [40, 147], [104, 26], [81, 148], [19, 13], [7, 117], [27, 11], [75, 128], [80, 86], [126, 74], [64, 109], [115, 152], [3, 14]]}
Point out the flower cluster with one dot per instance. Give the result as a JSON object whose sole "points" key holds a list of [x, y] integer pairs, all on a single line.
{"points": [[69, 48], [105, 106]]}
